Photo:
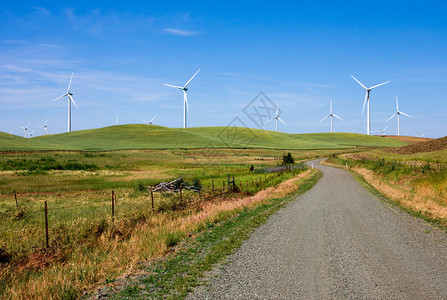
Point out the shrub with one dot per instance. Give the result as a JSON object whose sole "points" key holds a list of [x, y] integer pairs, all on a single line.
{"points": [[288, 159]]}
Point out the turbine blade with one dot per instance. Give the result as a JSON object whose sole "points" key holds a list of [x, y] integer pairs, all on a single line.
{"points": [[46, 122], [185, 99], [191, 78], [69, 85], [406, 114], [277, 106], [174, 86], [397, 105], [153, 118], [324, 118], [337, 117], [60, 97], [359, 82], [145, 121], [385, 129], [269, 120], [282, 121], [392, 116], [364, 103], [27, 124], [379, 85], [71, 98]]}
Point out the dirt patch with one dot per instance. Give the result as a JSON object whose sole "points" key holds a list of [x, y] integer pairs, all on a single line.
{"points": [[408, 139], [428, 146]]}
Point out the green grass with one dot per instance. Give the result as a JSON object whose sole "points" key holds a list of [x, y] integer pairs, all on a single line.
{"points": [[158, 137], [176, 276]]}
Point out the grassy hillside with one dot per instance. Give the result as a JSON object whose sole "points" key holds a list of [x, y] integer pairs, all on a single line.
{"points": [[139, 136]]}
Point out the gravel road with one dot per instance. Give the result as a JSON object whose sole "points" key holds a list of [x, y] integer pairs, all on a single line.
{"points": [[337, 241]]}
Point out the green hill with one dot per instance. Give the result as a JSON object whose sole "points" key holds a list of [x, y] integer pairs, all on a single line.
{"points": [[157, 137]]}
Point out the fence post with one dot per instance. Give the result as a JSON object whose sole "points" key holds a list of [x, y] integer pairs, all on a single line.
{"points": [[46, 226], [15, 197], [234, 184], [181, 198], [152, 197], [113, 207]]}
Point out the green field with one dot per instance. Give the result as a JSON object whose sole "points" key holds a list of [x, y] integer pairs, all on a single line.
{"points": [[157, 137]]}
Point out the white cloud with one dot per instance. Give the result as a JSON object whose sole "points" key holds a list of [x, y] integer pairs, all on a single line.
{"points": [[180, 32]]}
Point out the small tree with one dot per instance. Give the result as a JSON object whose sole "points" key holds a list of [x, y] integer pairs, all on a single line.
{"points": [[288, 159]]}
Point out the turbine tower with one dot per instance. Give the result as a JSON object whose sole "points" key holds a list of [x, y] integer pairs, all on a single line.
{"points": [[45, 131], [277, 118], [150, 122], [26, 129], [332, 115], [368, 90], [70, 99], [398, 113], [185, 99]]}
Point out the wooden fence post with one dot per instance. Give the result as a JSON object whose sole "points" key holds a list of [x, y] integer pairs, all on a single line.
{"points": [[15, 197], [181, 198], [113, 207], [152, 197], [46, 226]]}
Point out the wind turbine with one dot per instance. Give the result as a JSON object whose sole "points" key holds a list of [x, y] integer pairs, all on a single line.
{"points": [[332, 115], [26, 129], [185, 99], [277, 118], [422, 135], [70, 99], [383, 131], [32, 132], [398, 113], [368, 90], [45, 131], [150, 122]]}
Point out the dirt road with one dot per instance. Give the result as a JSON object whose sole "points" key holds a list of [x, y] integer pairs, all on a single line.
{"points": [[337, 241]]}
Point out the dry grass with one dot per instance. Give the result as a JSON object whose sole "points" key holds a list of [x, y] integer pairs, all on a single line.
{"points": [[420, 197]]}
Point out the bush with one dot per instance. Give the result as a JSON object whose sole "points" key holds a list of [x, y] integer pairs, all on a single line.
{"points": [[288, 159]]}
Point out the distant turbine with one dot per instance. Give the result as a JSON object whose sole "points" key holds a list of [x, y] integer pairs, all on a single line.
{"points": [[26, 129], [32, 132], [398, 113], [332, 115], [185, 100], [422, 135], [368, 90], [70, 99], [45, 131], [150, 122], [277, 118], [383, 131]]}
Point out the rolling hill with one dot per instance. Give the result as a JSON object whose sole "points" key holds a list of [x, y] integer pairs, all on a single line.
{"points": [[139, 136]]}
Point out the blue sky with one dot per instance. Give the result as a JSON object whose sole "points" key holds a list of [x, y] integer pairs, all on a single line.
{"points": [[299, 54]]}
